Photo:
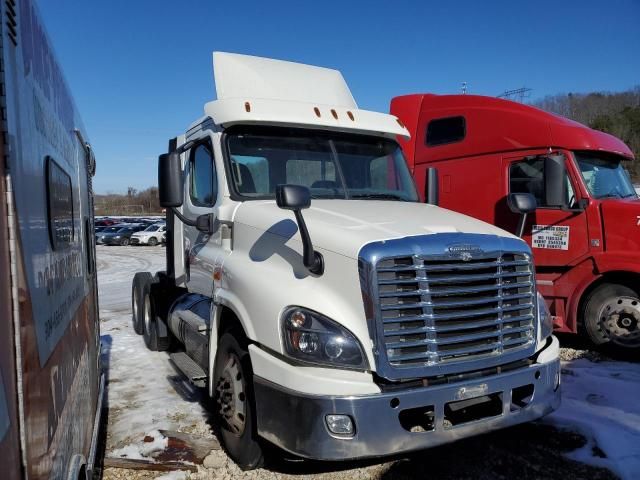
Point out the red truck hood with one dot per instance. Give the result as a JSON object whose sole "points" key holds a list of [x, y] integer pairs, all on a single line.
{"points": [[621, 219]]}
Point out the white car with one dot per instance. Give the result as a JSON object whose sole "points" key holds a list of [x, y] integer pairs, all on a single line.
{"points": [[152, 235]]}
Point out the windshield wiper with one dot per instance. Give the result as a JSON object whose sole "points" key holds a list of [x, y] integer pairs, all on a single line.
{"points": [[380, 196]]}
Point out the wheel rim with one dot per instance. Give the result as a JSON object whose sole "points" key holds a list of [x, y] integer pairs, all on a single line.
{"points": [[147, 314], [620, 319], [231, 395]]}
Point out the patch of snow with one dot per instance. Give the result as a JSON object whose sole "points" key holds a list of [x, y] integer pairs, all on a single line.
{"points": [[600, 401], [175, 475], [145, 393]]}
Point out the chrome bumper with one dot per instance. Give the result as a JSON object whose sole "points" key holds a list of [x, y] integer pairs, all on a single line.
{"points": [[296, 422]]}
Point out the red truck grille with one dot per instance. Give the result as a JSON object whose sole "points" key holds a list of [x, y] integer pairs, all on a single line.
{"points": [[440, 311]]}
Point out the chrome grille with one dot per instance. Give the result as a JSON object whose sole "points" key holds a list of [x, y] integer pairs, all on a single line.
{"points": [[440, 310]]}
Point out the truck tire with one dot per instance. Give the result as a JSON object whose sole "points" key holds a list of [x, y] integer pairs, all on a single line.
{"points": [[612, 317], [152, 340], [139, 279], [235, 403], [153, 241]]}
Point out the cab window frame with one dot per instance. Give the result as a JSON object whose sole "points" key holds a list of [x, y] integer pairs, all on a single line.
{"points": [[195, 201], [571, 186]]}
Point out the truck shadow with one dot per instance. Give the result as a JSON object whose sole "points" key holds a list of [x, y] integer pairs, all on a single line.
{"points": [[273, 242], [530, 451]]}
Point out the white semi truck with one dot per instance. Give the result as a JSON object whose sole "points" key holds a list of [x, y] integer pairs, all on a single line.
{"points": [[324, 307]]}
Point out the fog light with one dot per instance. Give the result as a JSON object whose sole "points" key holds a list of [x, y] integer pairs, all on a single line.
{"points": [[340, 424]]}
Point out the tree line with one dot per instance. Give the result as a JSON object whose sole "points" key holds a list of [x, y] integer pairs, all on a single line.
{"points": [[134, 202], [614, 113]]}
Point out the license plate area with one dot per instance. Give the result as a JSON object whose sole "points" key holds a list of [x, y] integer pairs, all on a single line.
{"points": [[472, 409]]}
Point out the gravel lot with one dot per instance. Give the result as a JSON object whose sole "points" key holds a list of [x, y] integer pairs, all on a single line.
{"points": [[146, 393]]}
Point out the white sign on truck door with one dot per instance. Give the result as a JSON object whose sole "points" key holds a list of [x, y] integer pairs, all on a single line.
{"points": [[554, 237]]}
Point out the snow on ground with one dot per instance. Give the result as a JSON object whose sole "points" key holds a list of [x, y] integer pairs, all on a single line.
{"points": [[601, 400], [145, 392]]}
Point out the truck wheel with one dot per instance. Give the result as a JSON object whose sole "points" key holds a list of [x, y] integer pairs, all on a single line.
{"points": [[153, 241], [612, 316], [235, 403], [150, 322], [139, 279]]}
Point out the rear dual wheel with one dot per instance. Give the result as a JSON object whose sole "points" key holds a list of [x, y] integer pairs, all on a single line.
{"points": [[143, 308]]}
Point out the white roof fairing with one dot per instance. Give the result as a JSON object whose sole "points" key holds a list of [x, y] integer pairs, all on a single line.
{"points": [[245, 76], [254, 90]]}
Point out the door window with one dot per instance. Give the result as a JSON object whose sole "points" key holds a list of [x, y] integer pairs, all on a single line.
{"points": [[203, 188], [527, 176]]}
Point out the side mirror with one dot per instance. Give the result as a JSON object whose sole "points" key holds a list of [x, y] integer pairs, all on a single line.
{"points": [[431, 184], [523, 204], [293, 197], [296, 198], [555, 181], [170, 186]]}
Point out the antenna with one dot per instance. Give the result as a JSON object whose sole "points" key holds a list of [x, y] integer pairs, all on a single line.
{"points": [[517, 95], [463, 88]]}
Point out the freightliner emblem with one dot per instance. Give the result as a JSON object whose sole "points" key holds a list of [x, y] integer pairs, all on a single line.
{"points": [[464, 251]]}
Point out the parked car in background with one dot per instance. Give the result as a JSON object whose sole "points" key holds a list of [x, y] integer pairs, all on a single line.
{"points": [[105, 222], [121, 236], [152, 235]]}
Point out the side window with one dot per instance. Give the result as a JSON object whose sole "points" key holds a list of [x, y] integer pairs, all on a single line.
{"points": [[59, 205], [441, 131], [527, 176], [203, 188]]}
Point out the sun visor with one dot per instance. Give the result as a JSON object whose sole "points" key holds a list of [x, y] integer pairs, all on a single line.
{"points": [[245, 76]]}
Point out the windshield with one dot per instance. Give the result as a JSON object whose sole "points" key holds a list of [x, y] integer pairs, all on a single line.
{"points": [[605, 175], [331, 165], [125, 230], [152, 228]]}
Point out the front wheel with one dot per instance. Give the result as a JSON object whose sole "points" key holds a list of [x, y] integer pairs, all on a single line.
{"points": [[124, 242], [153, 241], [612, 317], [235, 402]]}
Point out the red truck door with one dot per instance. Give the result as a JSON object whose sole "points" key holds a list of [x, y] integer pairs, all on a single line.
{"points": [[558, 237]]}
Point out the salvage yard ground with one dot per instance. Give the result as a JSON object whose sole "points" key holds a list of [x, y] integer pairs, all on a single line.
{"points": [[594, 435]]}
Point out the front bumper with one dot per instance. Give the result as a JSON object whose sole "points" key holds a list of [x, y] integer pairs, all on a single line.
{"points": [[295, 421]]}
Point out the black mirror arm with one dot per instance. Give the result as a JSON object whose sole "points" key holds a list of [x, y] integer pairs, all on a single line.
{"points": [[183, 219], [522, 221], [312, 260]]}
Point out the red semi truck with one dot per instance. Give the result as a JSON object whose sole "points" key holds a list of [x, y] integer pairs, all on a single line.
{"points": [[472, 153]]}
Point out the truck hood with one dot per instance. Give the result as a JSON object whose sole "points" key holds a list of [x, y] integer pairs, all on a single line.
{"points": [[345, 226], [621, 218]]}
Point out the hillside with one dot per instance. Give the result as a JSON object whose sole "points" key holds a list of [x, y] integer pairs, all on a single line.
{"points": [[614, 113]]}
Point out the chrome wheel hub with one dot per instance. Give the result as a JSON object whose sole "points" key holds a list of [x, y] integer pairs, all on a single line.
{"points": [[620, 318], [231, 395]]}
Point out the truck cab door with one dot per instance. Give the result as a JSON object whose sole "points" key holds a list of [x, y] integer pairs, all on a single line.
{"points": [[558, 235], [201, 197]]}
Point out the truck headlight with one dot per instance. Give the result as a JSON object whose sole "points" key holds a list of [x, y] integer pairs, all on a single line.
{"points": [[314, 338], [544, 317]]}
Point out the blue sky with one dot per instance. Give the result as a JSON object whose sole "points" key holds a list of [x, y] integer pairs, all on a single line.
{"points": [[140, 70]]}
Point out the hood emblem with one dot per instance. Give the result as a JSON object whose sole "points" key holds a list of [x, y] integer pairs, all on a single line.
{"points": [[464, 251]]}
